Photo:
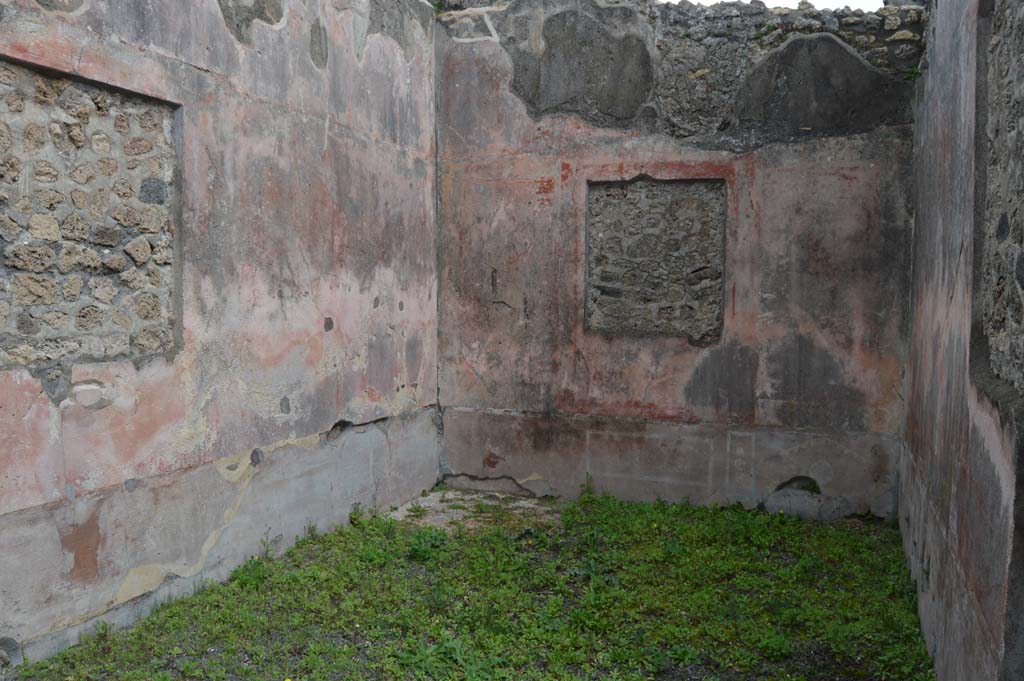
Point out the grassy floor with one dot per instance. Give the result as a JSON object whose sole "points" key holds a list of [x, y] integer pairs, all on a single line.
{"points": [[611, 590]]}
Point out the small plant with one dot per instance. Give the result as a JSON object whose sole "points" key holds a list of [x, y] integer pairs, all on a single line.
{"points": [[267, 545], [426, 542], [252, 574], [684, 655], [356, 514], [773, 645], [911, 74]]}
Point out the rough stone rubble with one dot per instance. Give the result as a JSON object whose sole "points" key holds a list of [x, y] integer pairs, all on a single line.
{"points": [[87, 195]]}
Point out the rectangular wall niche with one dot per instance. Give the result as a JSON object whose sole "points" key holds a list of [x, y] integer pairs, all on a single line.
{"points": [[86, 197], [655, 252]]}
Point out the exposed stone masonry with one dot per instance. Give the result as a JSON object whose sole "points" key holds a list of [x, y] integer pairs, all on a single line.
{"points": [[706, 50], [86, 187], [1001, 286], [699, 54], [655, 256]]}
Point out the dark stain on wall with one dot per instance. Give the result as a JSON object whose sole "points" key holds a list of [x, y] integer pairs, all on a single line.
{"points": [[397, 19], [814, 85], [726, 380], [809, 388], [413, 356], [61, 5], [239, 16], [318, 44], [586, 67]]}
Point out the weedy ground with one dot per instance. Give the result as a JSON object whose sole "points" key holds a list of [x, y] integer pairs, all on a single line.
{"points": [[486, 587]]}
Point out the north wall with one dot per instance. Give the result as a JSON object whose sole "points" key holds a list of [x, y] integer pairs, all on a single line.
{"points": [[760, 360]]}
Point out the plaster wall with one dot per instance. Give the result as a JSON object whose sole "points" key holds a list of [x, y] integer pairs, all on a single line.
{"points": [[380, 273], [807, 377], [960, 506], [306, 276]]}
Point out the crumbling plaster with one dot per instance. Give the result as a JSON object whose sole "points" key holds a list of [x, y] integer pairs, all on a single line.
{"points": [[960, 496], [814, 291], [382, 279], [678, 66], [308, 300]]}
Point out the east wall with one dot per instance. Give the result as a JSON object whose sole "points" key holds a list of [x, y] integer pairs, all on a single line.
{"points": [[960, 502]]}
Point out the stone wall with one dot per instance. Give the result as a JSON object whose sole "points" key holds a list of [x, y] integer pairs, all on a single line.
{"points": [[705, 51], [790, 362], [290, 146], [302, 333], [1001, 286], [88, 192], [677, 66], [654, 258], [960, 497], [997, 351]]}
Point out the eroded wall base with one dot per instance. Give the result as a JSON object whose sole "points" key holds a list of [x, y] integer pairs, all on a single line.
{"points": [[113, 555], [645, 460], [962, 630]]}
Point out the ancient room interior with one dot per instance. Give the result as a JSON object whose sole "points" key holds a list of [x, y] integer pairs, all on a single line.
{"points": [[265, 262]]}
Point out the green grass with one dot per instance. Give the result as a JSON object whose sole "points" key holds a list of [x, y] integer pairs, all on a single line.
{"points": [[614, 591]]}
